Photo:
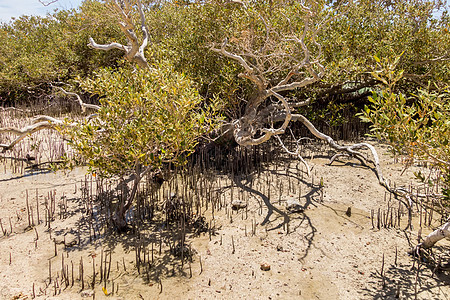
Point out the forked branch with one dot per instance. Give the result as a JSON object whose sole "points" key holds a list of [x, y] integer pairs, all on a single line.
{"points": [[256, 126], [248, 73], [134, 51]]}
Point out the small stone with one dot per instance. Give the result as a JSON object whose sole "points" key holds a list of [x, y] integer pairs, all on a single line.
{"points": [[238, 204], [349, 212], [279, 248], [87, 293], [265, 267]]}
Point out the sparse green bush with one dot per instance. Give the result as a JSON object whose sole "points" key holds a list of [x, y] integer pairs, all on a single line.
{"points": [[147, 118], [417, 125]]}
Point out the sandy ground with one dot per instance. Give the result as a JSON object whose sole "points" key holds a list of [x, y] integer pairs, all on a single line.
{"points": [[319, 252]]}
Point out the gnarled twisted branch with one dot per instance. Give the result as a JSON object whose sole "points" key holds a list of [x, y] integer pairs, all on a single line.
{"points": [[134, 51], [251, 129]]}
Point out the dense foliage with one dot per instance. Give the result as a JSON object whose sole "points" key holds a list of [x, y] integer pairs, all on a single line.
{"points": [[37, 51], [186, 32]]}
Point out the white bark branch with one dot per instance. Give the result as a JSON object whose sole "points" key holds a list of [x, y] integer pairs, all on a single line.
{"points": [[39, 123], [133, 51], [351, 149], [82, 104], [106, 47], [143, 28], [249, 71], [436, 236]]}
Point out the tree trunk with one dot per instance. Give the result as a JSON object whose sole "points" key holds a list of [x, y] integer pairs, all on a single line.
{"points": [[119, 219], [436, 236]]}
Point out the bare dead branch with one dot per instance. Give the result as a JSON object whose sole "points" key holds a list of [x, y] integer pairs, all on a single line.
{"points": [[296, 153], [133, 51], [39, 123], [436, 236], [249, 71], [143, 28], [351, 149], [82, 104], [106, 47]]}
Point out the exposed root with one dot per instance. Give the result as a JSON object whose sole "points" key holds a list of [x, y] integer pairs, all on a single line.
{"points": [[296, 153], [351, 149]]}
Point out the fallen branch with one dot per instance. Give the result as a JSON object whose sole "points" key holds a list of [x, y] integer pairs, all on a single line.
{"points": [[436, 236], [39, 123], [82, 104], [350, 149]]}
